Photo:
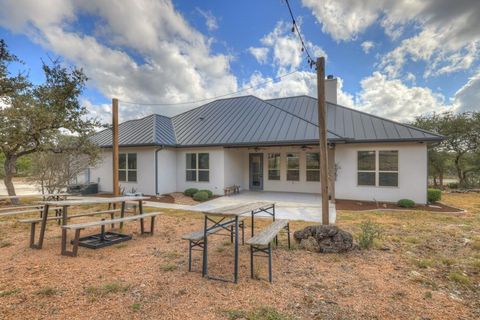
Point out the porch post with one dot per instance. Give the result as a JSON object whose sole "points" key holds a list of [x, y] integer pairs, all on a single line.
{"points": [[322, 133], [331, 172]]}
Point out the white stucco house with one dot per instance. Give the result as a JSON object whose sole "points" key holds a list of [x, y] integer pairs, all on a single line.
{"points": [[268, 145]]}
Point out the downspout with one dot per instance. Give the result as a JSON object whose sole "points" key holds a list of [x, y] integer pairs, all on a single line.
{"points": [[156, 169]]}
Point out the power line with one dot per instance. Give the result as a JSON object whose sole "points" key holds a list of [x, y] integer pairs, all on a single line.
{"points": [[310, 60], [213, 98]]}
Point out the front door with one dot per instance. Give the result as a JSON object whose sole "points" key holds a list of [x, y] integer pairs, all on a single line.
{"points": [[256, 171]]}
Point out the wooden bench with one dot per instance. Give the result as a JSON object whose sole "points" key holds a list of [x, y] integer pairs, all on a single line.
{"points": [[196, 238], [262, 242], [231, 190], [34, 221], [80, 226]]}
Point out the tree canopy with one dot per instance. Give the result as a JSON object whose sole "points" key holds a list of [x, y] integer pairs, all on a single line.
{"points": [[461, 146], [34, 117]]}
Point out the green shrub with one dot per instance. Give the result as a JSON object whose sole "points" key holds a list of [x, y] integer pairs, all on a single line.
{"points": [[453, 185], [370, 232], [406, 203], [434, 195], [210, 193], [200, 196], [190, 192]]}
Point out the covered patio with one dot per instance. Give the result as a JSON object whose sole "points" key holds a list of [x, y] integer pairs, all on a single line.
{"points": [[288, 205]]}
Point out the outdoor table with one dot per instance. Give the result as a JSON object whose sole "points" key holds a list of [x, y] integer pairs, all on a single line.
{"points": [[228, 216], [67, 203], [46, 196]]}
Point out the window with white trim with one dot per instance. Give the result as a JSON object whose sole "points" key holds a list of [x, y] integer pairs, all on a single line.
{"points": [[388, 168], [313, 166], [127, 167], [198, 167], [377, 168], [293, 167], [274, 166]]}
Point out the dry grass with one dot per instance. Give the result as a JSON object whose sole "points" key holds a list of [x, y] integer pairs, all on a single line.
{"points": [[425, 265]]}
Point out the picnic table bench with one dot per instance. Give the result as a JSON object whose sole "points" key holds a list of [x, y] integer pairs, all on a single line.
{"points": [[80, 226], [196, 238], [262, 242], [230, 216], [65, 204], [33, 221]]}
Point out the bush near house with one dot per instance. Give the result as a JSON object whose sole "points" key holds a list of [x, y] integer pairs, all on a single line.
{"points": [[406, 203], [369, 232], [210, 193], [453, 185], [200, 196], [190, 192], [434, 195]]}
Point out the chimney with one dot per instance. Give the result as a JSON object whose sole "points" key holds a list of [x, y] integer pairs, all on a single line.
{"points": [[331, 89]]}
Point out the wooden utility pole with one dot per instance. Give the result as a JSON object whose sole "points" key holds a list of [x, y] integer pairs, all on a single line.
{"points": [[322, 134], [116, 186]]}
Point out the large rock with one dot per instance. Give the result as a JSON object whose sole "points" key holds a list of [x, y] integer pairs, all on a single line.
{"points": [[325, 239]]}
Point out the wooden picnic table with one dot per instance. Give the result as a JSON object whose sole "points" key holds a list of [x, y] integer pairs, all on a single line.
{"points": [[65, 204], [224, 217], [47, 196]]}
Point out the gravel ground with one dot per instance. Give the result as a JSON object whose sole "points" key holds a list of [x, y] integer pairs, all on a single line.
{"points": [[408, 275]]}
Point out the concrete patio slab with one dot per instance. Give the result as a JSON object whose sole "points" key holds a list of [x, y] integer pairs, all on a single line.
{"points": [[292, 206]]}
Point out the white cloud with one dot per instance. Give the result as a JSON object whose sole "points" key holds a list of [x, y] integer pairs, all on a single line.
{"points": [[344, 20], [177, 64], [210, 19], [261, 54], [394, 100], [286, 47], [367, 46], [467, 98], [447, 39]]}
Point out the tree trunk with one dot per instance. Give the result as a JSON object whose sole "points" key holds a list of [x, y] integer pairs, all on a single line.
{"points": [[441, 179], [460, 175], [435, 184], [10, 163]]}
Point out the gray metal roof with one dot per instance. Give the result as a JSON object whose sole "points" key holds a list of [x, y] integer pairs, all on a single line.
{"points": [[152, 130], [248, 120], [354, 125]]}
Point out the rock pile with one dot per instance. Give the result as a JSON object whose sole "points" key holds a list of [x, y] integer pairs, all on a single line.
{"points": [[324, 239]]}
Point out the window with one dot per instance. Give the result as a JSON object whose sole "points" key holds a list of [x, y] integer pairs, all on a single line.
{"points": [[388, 168], [191, 167], [313, 166], [198, 170], [274, 166], [203, 167], [127, 167], [366, 168], [293, 167]]}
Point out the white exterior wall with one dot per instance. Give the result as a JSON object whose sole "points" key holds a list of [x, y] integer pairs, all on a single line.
{"points": [[102, 173], [167, 171], [217, 170], [234, 168], [412, 173]]}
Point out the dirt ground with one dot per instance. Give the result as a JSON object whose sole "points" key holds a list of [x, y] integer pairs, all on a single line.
{"points": [[354, 205], [425, 266]]}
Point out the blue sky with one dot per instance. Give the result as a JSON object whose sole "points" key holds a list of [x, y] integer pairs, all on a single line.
{"points": [[394, 59]]}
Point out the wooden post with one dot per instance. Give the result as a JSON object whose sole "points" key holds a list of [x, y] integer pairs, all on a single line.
{"points": [[322, 130], [116, 186]]}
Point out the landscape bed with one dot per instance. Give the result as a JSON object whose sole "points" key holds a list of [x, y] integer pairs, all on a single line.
{"points": [[425, 265]]}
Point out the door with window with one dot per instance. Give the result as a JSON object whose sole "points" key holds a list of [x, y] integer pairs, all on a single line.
{"points": [[256, 171]]}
